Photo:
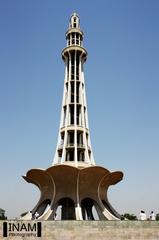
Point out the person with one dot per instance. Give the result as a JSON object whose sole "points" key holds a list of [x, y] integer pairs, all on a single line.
{"points": [[55, 215], [152, 216], [142, 215], [30, 215], [36, 215]]}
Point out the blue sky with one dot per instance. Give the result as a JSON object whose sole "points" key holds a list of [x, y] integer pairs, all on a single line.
{"points": [[122, 83]]}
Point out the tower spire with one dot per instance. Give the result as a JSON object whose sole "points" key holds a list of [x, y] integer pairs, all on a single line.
{"points": [[74, 145], [74, 21]]}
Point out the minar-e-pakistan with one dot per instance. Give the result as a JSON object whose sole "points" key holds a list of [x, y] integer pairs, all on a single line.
{"points": [[74, 187]]}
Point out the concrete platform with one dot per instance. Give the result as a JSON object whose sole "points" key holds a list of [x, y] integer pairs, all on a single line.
{"points": [[80, 230]]}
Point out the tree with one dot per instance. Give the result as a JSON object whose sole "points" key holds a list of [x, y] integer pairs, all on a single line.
{"points": [[128, 216], [157, 217], [3, 217]]}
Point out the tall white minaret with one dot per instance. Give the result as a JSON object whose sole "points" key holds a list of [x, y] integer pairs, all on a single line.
{"points": [[73, 188], [74, 145]]}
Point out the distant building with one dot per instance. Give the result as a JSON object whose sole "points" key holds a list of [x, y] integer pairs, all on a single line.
{"points": [[2, 214]]}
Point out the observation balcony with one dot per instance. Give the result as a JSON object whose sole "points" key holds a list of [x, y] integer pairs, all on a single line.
{"points": [[72, 145]]}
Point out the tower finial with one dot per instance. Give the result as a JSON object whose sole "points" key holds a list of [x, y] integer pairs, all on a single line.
{"points": [[74, 35], [74, 21]]}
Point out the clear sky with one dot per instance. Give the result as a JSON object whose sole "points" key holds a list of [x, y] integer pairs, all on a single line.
{"points": [[122, 83]]}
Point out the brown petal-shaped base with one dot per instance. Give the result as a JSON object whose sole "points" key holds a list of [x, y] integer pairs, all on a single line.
{"points": [[72, 193]]}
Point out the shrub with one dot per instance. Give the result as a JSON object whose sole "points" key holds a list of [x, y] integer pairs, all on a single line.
{"points": [[129, 216]]}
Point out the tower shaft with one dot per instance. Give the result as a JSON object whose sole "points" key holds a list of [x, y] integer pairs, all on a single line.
{"points": [[74, 145]]}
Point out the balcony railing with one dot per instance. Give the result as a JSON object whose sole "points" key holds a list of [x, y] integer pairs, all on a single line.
{"points": [[71, 145]]}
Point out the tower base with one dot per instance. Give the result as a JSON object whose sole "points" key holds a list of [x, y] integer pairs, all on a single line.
{"points": [[70, 193]]}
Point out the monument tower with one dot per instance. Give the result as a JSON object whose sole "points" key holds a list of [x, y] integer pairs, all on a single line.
{"points": [[74, 187]]}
